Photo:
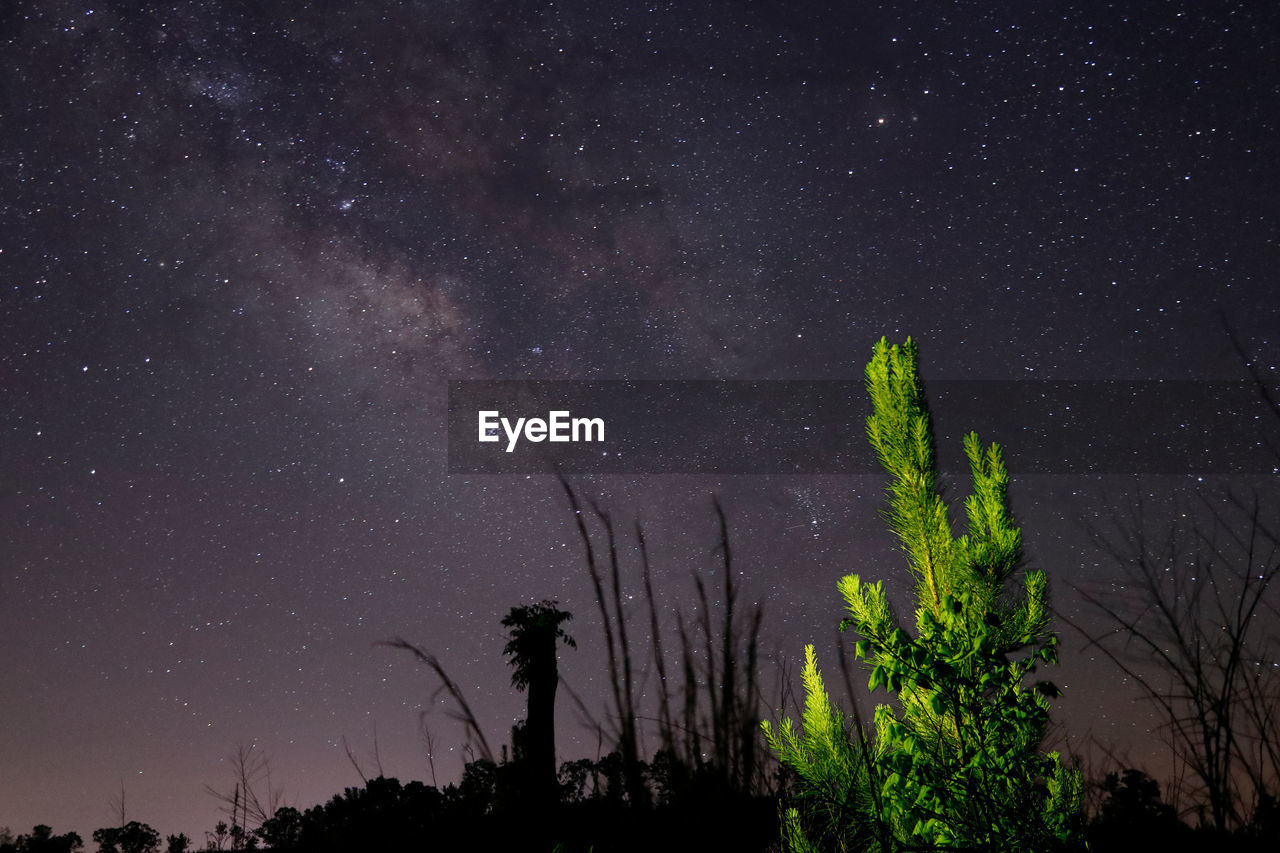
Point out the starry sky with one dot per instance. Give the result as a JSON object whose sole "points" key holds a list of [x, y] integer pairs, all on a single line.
{"points": [[244, 246]]}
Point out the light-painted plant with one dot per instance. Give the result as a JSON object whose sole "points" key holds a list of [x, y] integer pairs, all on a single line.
{"points": [[955, 762]]}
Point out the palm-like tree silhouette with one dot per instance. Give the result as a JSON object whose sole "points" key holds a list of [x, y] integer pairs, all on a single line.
{"points": [[533, 632]]}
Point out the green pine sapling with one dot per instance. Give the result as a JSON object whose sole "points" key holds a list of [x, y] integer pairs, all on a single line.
{"points": [[955, 762]]}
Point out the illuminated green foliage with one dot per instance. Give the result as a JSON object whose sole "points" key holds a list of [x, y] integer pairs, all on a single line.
{"points": [[954, 762]]}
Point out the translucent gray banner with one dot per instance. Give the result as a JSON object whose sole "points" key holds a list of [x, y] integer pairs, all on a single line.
{"points": [[818, 427]]}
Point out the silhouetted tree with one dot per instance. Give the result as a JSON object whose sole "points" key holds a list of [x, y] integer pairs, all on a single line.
{"points": [[252, 798], [217, 839], [1266, 820], [382, 815], [1194, 627], [1132, 813], [283, 830], [533, 635], [42, 840], [179, 843], [133, 837]]}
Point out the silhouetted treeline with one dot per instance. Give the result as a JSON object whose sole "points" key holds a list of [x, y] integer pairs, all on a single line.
{"points": [[132, 837], [489, 810], [40, 840], [688, 810], [1133, 815]]}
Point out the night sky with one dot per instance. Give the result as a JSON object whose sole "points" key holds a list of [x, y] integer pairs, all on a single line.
{"points": [[244, 246]]}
